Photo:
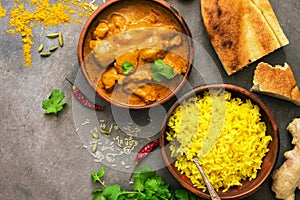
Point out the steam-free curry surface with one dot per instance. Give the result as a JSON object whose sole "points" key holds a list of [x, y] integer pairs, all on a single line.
{"points": [[139, 33]]}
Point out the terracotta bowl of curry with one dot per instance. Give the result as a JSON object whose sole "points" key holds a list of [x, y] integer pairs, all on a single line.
{"points": [[231, 131], [135, 54]]}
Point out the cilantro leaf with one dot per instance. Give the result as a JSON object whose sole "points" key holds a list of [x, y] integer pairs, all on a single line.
{"points": [[112, 192], [127, 67], [98, 175], [157, 186], [97, 191], [54, 103], [152, 185], [97, 194], [161, 71], [181, 194], [141, 176], [184, 194], [99, 197], [147, 185]]}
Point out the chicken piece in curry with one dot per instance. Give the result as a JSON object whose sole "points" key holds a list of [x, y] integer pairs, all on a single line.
{"points": [[141, 60]]}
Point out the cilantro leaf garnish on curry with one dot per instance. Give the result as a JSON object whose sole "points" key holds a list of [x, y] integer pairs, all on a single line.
{"points": [[161, 71], [127, 67]]}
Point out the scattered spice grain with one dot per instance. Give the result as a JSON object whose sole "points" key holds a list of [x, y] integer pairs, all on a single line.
{"points": [[95, 146], [52, 49], [2, 11], [41, 47], [95, 135], [52, 35], [87, 121], [44, 12], [60, 39], [45, 54]]}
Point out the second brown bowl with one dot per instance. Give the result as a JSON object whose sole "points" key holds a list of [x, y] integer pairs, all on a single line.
{"points": [[268, 162]]}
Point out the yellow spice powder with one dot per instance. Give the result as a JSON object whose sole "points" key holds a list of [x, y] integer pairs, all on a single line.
{"points": [[50, 14], [2, 11]]}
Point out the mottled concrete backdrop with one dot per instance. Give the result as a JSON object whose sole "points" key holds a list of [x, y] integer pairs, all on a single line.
{"points": [[48, 157]]}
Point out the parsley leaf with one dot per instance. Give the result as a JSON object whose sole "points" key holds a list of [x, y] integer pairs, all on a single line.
{"points": [[161, 71], [127, 67], [54, 103]]}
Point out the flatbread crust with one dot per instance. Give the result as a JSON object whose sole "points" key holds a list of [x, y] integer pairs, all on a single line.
{"points": [[241, 31], [278, 81]]}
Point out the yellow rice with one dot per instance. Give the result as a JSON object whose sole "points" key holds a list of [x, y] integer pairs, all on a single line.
{"points": [[236, 156]]}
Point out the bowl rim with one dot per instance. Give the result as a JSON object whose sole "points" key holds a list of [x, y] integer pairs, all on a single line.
{"points": [[80, 48], [259, 180]]}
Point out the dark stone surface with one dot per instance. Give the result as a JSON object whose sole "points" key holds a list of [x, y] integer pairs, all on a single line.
{"points": [[42, 157]]}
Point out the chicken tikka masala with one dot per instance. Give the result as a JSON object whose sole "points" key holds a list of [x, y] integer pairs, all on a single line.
{"points": [[136, 54]]}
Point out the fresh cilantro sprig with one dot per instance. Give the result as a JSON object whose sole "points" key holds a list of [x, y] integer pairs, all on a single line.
{"points": [[161, 71], [54, 103], [146, 185]]}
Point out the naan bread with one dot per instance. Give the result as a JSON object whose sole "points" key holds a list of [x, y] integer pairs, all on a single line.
{"points": [[278, 81], [241, 31]]}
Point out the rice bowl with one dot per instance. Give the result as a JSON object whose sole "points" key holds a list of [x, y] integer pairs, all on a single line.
{"points": [[247, 137]]}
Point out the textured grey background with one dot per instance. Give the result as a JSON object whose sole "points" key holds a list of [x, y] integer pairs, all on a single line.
{"points": [[42, 157]]}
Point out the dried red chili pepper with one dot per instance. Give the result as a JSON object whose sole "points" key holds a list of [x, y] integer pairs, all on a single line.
{"points": [[148, 148], [82, 99]]}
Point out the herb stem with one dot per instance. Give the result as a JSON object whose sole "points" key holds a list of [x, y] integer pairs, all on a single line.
{"points": [[102, 183], [132, 192]]}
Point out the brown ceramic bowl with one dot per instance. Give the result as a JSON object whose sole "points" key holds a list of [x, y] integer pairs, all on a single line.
{"points": [[248, 187], [134, 11]]}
